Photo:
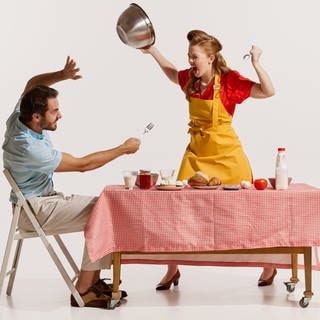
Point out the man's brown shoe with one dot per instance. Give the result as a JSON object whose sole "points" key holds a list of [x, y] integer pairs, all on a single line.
{"points": [[93, 298], [107, 288]]}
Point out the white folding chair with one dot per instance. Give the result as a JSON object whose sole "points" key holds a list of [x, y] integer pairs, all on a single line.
{"points": [[19, 235]]}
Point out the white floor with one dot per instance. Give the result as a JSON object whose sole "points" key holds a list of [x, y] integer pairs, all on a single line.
{"points": [[203, 292]]}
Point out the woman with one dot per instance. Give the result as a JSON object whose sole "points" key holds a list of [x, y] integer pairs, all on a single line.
{"points": [[213, 90]]}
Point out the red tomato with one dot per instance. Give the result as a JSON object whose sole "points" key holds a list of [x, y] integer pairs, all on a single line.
{"points": [[260, 184]]}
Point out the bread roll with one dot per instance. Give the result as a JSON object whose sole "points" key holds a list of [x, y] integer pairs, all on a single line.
{"points": [[199, 179], [214, 181]]}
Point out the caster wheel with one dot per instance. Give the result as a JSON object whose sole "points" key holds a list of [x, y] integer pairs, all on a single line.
{"points": [[304, 302], [290, 286]]}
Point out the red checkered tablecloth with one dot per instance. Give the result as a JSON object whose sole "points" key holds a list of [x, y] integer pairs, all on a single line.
{"points": [[191, 220]]}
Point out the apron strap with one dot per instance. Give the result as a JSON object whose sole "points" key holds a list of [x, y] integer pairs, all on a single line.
{"points": [[216, 100]]}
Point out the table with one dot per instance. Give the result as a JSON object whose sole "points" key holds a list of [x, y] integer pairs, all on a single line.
{"points": [[248, 222]]}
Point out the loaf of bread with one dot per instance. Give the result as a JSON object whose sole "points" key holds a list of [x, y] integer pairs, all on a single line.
{"points": [[214, 181], [199, 179]]}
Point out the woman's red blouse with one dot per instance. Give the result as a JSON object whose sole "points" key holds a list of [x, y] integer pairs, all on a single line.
{"points": [[234, 88]]}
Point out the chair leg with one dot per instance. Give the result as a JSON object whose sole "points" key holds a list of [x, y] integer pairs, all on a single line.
{"points": [[62, 270], [5, 263], [68, 256], [9, 244], [30, 214], [14, 266]]}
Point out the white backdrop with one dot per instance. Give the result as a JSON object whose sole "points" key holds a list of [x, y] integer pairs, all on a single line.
{"points": [[122, 89]]}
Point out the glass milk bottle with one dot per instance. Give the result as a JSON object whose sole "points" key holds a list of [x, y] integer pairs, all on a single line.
{"points": [[281, 173]]}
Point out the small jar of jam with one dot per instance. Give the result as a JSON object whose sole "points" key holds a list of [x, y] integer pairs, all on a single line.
{"points": [[145, 179]]}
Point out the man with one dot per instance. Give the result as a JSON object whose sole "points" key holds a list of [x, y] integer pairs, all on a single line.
{"points": [[32, 160]]}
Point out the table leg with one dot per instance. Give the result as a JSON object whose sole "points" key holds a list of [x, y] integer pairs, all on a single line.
{"points": [[294, 268], [307, 294], [116, 294], [308, 272], [291, 285]]}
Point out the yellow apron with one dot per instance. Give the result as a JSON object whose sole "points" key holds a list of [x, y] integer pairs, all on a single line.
{"points": [[214, 147]]}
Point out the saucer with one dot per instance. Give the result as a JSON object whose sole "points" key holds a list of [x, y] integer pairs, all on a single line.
{"points": [[231, 187]]}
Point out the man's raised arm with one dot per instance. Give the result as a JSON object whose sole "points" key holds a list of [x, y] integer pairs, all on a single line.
{"points": [[70, 71]]}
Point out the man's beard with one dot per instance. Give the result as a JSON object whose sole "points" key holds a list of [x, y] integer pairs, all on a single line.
{"points": [[45, 125], [51, 127]]}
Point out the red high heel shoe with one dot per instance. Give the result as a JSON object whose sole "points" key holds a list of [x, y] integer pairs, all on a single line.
{"points": [[166, 286], [267, 282]]}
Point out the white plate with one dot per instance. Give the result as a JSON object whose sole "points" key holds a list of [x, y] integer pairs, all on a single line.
{"points": [[169, 188], [206, 187]]}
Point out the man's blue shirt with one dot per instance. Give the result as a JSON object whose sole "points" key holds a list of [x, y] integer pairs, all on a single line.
{"points": [[30, 157]]}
